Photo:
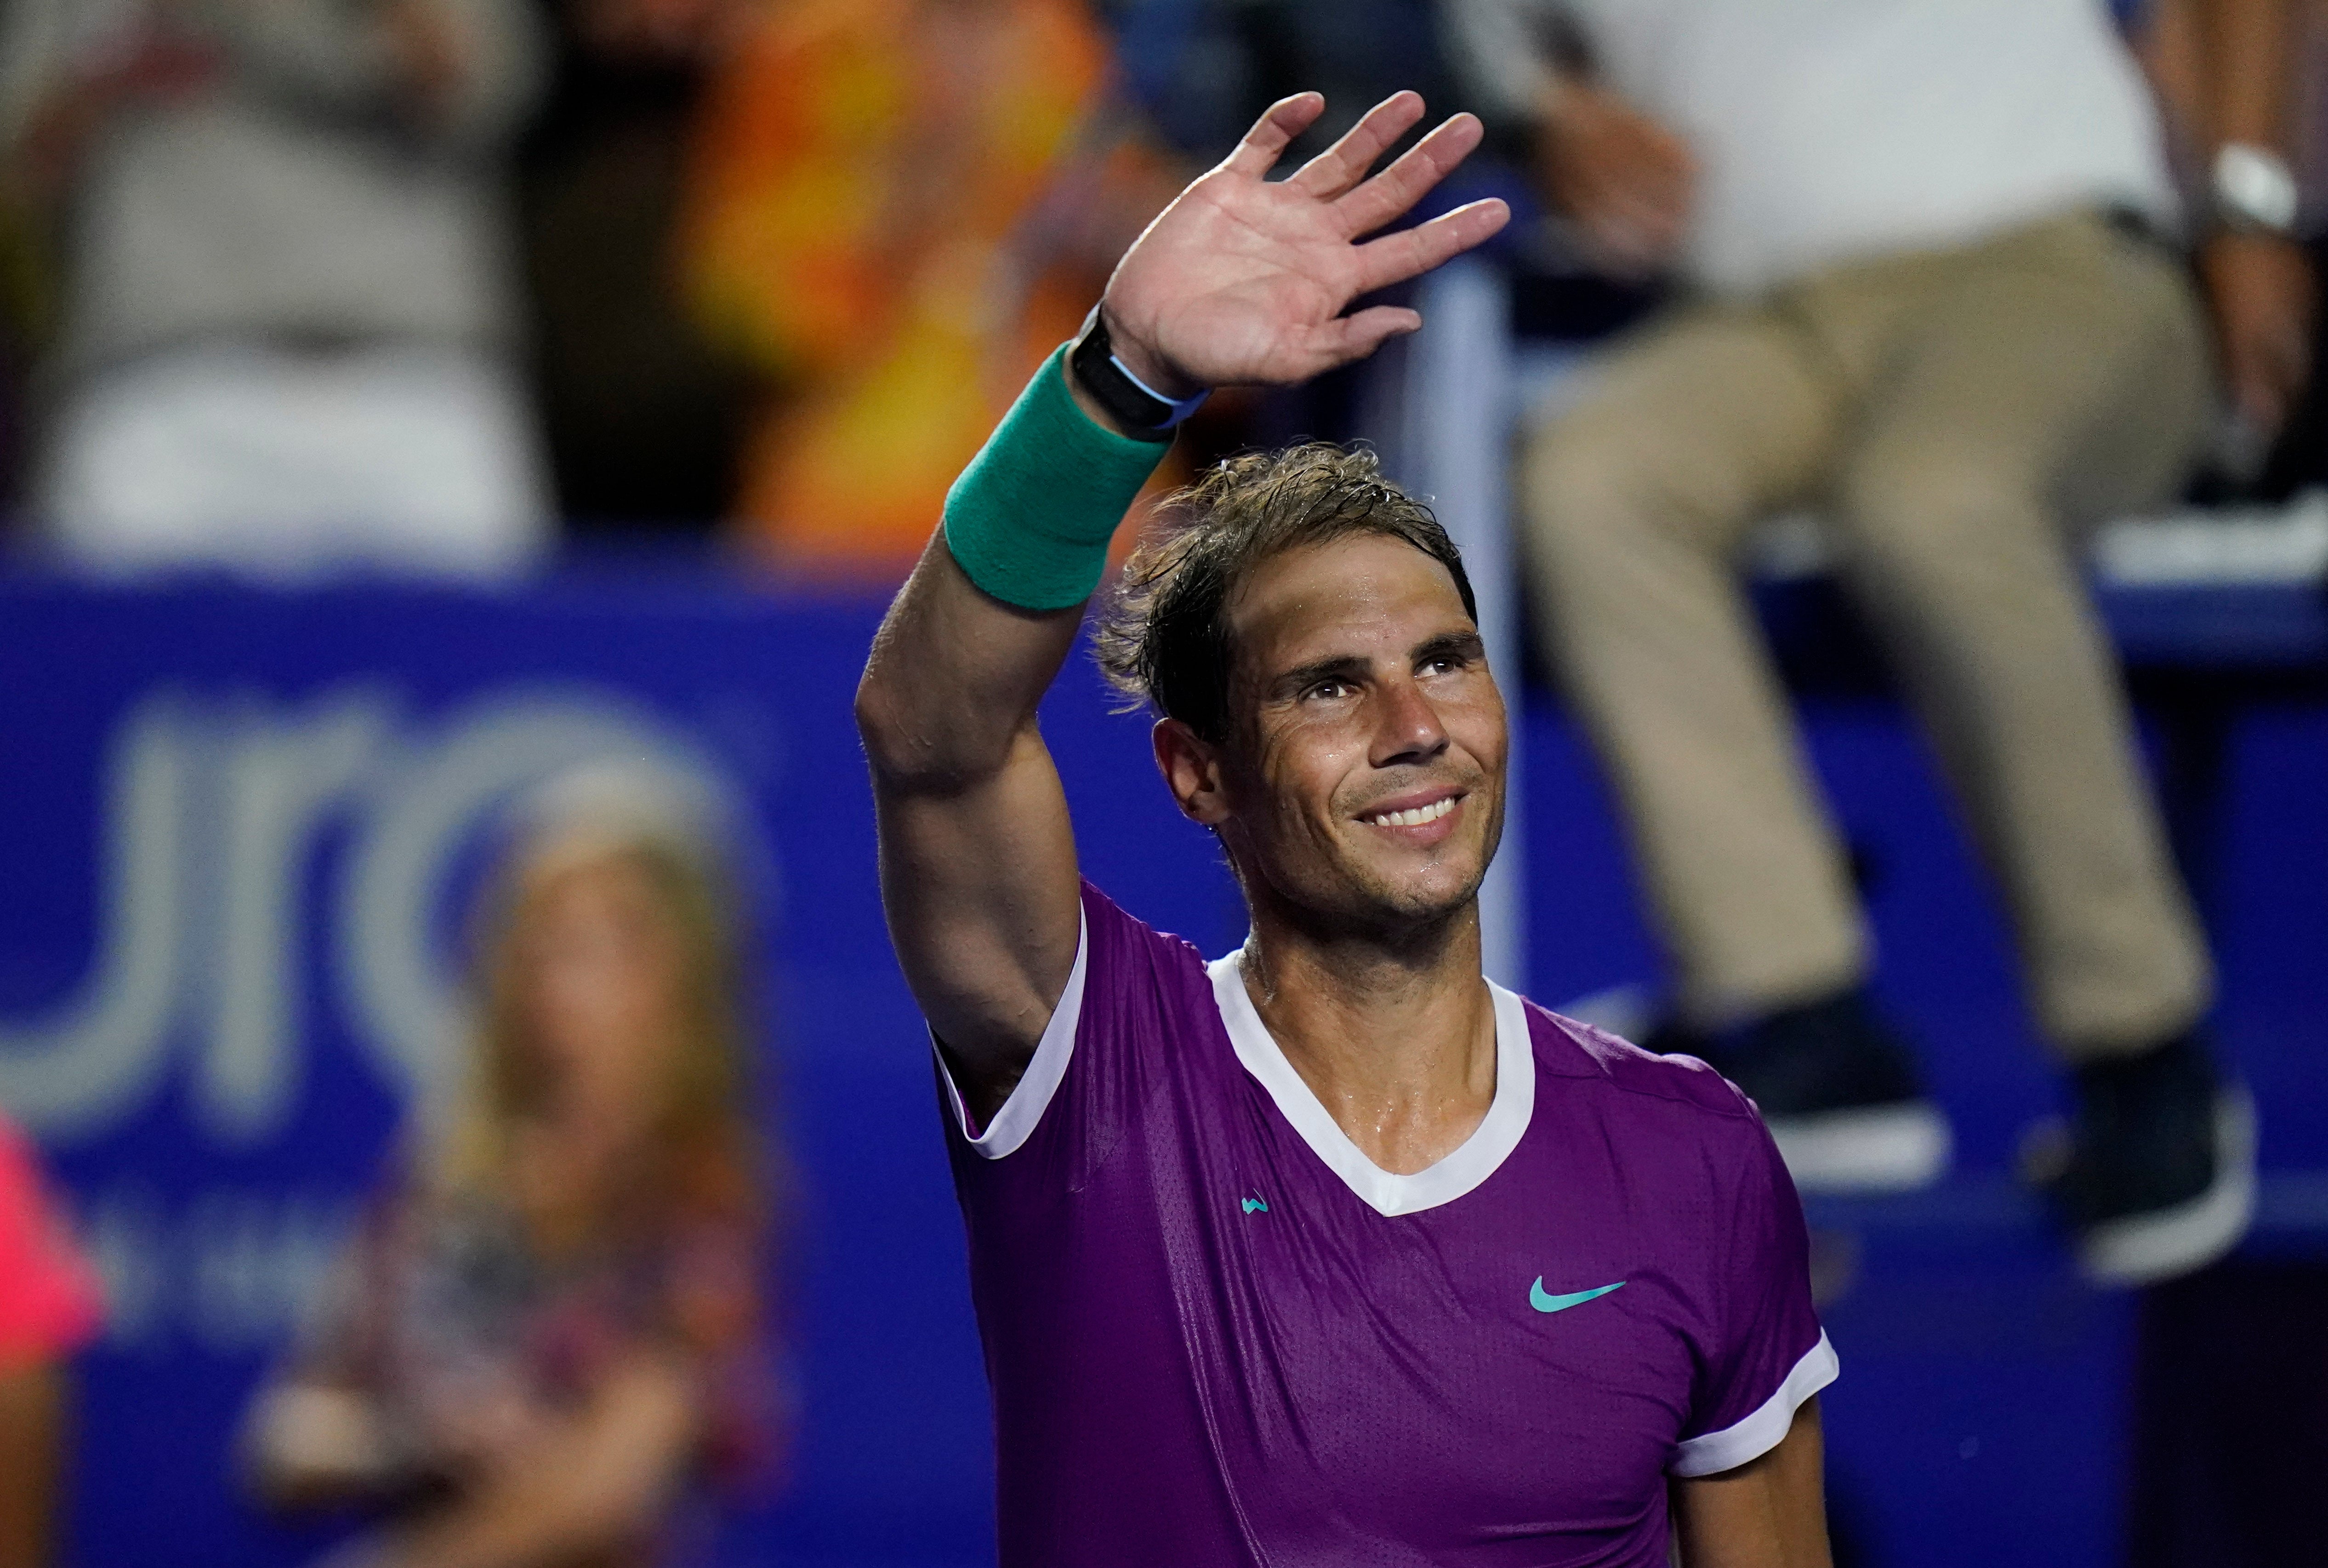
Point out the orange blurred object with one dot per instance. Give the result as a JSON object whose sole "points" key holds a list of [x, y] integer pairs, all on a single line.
{"points": [[899, 208]]}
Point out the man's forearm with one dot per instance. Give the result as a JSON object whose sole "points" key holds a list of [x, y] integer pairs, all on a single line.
{"points": [[2258, 280], [2245, 47]]}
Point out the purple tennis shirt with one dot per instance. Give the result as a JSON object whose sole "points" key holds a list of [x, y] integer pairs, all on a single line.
{"points": [[1218, 1334]]}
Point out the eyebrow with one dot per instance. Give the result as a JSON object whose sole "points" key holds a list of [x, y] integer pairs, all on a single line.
{"points": [[1342, 667], [1351, 667], [1463, 644]]}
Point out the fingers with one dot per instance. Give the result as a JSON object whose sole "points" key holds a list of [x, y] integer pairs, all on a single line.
{"points": [[1412, 252], [1346, 163], [1264, 145], [1352, 337], [1384, 197]]}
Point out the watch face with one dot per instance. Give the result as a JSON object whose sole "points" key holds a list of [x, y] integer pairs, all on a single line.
{"points": [[2254, 189]]}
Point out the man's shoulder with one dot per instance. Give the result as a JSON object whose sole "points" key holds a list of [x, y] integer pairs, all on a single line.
{"points": [[1121, 943], [1569, 1048]]}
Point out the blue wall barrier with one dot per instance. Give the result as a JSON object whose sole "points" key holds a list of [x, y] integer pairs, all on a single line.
{"points": [[243, 829]]}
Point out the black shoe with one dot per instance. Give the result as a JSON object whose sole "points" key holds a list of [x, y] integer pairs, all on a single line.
{"points": [[2155, 1169], [1839, 1092]]}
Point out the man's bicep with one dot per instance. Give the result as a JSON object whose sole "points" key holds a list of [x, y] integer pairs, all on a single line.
{"points": [[982, 894], [1769, 1512]]}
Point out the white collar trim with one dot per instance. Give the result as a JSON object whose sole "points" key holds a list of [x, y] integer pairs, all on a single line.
{"points": [[1478, 1158]]}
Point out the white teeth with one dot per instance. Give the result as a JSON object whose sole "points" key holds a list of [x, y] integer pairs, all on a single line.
{"points": [[1416, 816]]}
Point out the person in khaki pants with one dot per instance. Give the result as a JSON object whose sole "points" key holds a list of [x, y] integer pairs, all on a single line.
{"points": [[1935, 300]]}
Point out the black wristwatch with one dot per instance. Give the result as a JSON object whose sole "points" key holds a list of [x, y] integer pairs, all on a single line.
{"points": [[1130, 401]]}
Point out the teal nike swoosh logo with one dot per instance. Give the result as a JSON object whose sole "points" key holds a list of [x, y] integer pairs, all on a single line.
{"points": [[1252, 1204], [1544, 1303]]}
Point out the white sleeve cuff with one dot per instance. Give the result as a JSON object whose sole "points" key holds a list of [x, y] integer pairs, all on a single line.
{"points": [[1015, 1123], [1712, 1452]]}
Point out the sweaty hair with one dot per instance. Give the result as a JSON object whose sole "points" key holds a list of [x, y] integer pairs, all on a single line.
{"points": [[1163, 637]]}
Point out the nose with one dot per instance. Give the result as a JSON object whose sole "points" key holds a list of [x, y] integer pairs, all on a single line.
{"points": [[1407, 728]]}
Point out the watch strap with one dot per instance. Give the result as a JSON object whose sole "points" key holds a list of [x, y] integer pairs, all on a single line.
{"points": [[1131, 402]]}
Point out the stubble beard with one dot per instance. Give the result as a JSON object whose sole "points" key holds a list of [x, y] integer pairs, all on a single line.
{"points": [[1343, 896]]}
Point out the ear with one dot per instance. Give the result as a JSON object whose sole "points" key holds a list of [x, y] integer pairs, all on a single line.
{"points": [[1191, 766]]}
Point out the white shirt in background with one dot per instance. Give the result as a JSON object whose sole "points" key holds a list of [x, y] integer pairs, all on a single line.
{"points": [[1831, 130]]}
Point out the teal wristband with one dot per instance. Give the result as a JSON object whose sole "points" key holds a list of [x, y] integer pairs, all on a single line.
{"points": [[1030, 519]]}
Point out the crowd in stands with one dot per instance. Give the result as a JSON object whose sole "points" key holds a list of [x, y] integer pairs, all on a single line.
{"points": [[410, 286], [413, 284]]}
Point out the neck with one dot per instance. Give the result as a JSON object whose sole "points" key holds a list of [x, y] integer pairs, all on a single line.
{"points": [[1394, 1031]]}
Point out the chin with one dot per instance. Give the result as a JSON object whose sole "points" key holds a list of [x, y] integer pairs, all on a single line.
{"points": [[1425, 905], [1416, 898], [1349, 888], [1421, 886]]}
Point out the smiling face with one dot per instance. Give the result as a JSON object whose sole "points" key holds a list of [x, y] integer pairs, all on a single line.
{"points": [[1362, 777]]}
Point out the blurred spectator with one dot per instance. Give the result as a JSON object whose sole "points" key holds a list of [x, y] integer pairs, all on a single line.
{"points": [[2175, 46], [644, 418], [547, 1338], [1933, 293], [49, 1308], [900, 207], [286, 300]]}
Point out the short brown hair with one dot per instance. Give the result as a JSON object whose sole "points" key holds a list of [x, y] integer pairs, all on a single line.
{"points": [[1163, 637]]}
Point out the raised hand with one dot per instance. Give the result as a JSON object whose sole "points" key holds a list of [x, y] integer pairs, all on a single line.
{"points": [[1243, 281]]}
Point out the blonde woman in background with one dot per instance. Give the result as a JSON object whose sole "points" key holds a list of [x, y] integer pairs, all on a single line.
{"points": [[545, 1345]]}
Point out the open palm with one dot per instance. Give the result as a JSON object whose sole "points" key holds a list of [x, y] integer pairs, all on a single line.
{"points": [[1243, 280]]}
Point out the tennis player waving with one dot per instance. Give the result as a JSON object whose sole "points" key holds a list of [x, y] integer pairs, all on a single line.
{"points": [[1329, 1252]]}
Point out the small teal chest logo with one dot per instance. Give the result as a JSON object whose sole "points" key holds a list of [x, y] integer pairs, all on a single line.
{"points": [[1255, 1206], [1544, 1302]]}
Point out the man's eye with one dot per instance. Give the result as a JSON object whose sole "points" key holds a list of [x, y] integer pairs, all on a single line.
{"points": [[1327, 690]]}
